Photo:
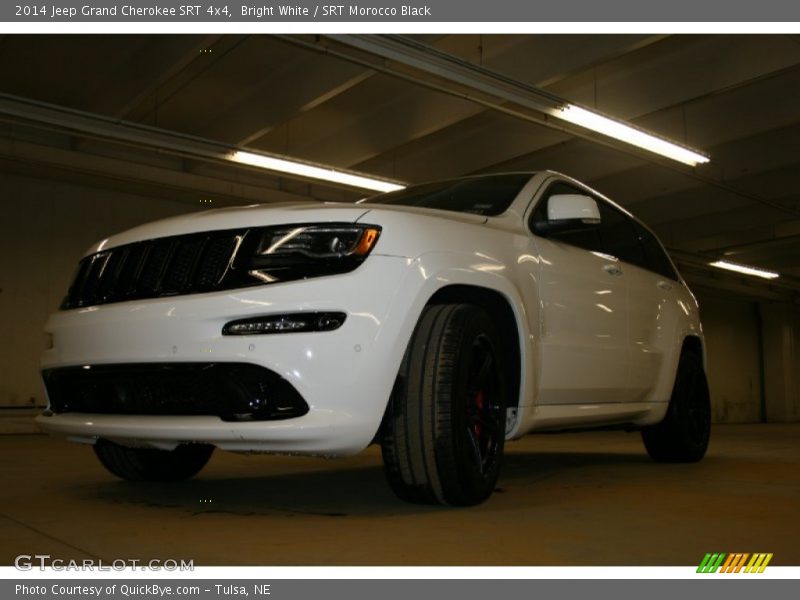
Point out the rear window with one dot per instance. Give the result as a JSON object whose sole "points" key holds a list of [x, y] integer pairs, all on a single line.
{"points": [[488, 195]]}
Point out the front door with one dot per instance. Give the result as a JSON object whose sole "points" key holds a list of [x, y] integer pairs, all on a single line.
{"points": [[583, 305]]}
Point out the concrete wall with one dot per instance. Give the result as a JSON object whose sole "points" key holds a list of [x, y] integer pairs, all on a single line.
{"points": [[731, 327], [753, 350], [781, 334], [45, 228]]}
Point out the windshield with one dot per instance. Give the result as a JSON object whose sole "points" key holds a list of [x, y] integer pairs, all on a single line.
{"points": [[487, 195]]}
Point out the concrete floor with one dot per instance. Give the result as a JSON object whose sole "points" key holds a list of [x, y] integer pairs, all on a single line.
{"points": [[577, 499]]}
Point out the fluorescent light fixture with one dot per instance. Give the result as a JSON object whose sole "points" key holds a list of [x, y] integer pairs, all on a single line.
{"points": [[620, 131], [283, 165], [724, 264]]}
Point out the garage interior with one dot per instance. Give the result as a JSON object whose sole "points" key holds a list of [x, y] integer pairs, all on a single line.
{"points": [[101, 133]]}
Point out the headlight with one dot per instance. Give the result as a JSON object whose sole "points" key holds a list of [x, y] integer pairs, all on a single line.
{"points": [[298, 251]]}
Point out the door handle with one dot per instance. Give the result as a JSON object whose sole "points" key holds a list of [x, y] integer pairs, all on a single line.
{"points": [[613, 269], [664, 285]]}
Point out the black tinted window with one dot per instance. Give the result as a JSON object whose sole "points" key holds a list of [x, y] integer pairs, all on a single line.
{"points": [[587, 238], [618, 235], [656, 259], [489, 195]]}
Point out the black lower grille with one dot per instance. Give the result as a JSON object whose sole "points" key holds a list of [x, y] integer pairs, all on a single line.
{"points": [[231, 391], [168, 266]]}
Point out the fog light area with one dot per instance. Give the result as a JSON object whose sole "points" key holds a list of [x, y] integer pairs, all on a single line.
{"points": [[286, 323]]}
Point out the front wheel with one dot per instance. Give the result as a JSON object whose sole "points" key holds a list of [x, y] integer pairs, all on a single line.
{"points": [[684, 433], [444, 431], [149, 464]]}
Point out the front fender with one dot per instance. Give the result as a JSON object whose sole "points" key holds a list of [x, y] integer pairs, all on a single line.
{"points": [[431, 272]]}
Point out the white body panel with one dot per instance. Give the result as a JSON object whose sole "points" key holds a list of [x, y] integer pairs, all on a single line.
{"points": [[583, 337], [581, 364]]}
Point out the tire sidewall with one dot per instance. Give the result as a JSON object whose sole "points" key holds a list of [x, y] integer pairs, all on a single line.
{"points": [[685, 400]]}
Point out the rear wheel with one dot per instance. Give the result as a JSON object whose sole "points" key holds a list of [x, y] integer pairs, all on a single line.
{"points": [[444, 431], [684, 433], [149, 464]]}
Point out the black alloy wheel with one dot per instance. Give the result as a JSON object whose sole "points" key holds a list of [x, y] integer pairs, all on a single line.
{"points": [[684, 434]]}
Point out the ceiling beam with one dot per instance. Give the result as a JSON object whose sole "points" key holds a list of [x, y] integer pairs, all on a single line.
{"points": [[117, 173], [130, 91], [145, 106], [423, 65], [573, 60], [779, 185], [776, 239], [756, 152], [751, 236], [51, 118], [275, 104]]}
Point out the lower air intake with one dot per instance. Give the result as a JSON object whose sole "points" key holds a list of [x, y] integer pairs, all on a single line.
{"points": [[231, 391]]}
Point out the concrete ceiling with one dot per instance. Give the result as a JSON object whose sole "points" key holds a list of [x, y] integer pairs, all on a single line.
{"points": [[734, 97]]}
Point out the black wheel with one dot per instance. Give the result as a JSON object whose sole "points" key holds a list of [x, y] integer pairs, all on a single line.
{"points": [[684, 433], [148, 464], [444, 431]]}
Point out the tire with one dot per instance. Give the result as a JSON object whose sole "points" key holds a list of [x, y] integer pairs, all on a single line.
{"points": [[148, 464], [684, 433], [443, 436]]}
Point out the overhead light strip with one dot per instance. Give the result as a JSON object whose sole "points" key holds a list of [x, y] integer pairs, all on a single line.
{"points": [[745, 270], [625, 133], [291, 167], [455, 70], [138, 135]]}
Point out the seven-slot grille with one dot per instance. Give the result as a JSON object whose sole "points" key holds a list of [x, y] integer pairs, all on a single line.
{"points": [[183, 264]]}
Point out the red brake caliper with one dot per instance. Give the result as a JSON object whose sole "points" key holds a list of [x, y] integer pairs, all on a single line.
{"points": [[479, 404]]}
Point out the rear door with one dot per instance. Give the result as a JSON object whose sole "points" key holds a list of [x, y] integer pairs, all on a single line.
{"points": [[650, 279], [652, 290]]}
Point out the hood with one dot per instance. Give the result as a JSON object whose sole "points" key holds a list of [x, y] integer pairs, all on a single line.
{"points": [[409, 231], [447, 215]]}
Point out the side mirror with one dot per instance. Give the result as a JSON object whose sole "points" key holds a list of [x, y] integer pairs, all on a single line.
{"points": [[568, 212]]}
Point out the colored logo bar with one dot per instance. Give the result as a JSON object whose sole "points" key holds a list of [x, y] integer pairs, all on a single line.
{"points": [[736, 562]]}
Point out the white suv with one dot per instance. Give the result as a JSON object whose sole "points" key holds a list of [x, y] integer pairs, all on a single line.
{"points": [[439, 321]]}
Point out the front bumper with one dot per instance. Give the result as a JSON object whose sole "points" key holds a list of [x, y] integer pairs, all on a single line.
{"points": [[344, 376]]}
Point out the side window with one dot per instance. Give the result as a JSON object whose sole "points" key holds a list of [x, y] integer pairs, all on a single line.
{"points": [[619, 236], [657, 259], [588, 239]]}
